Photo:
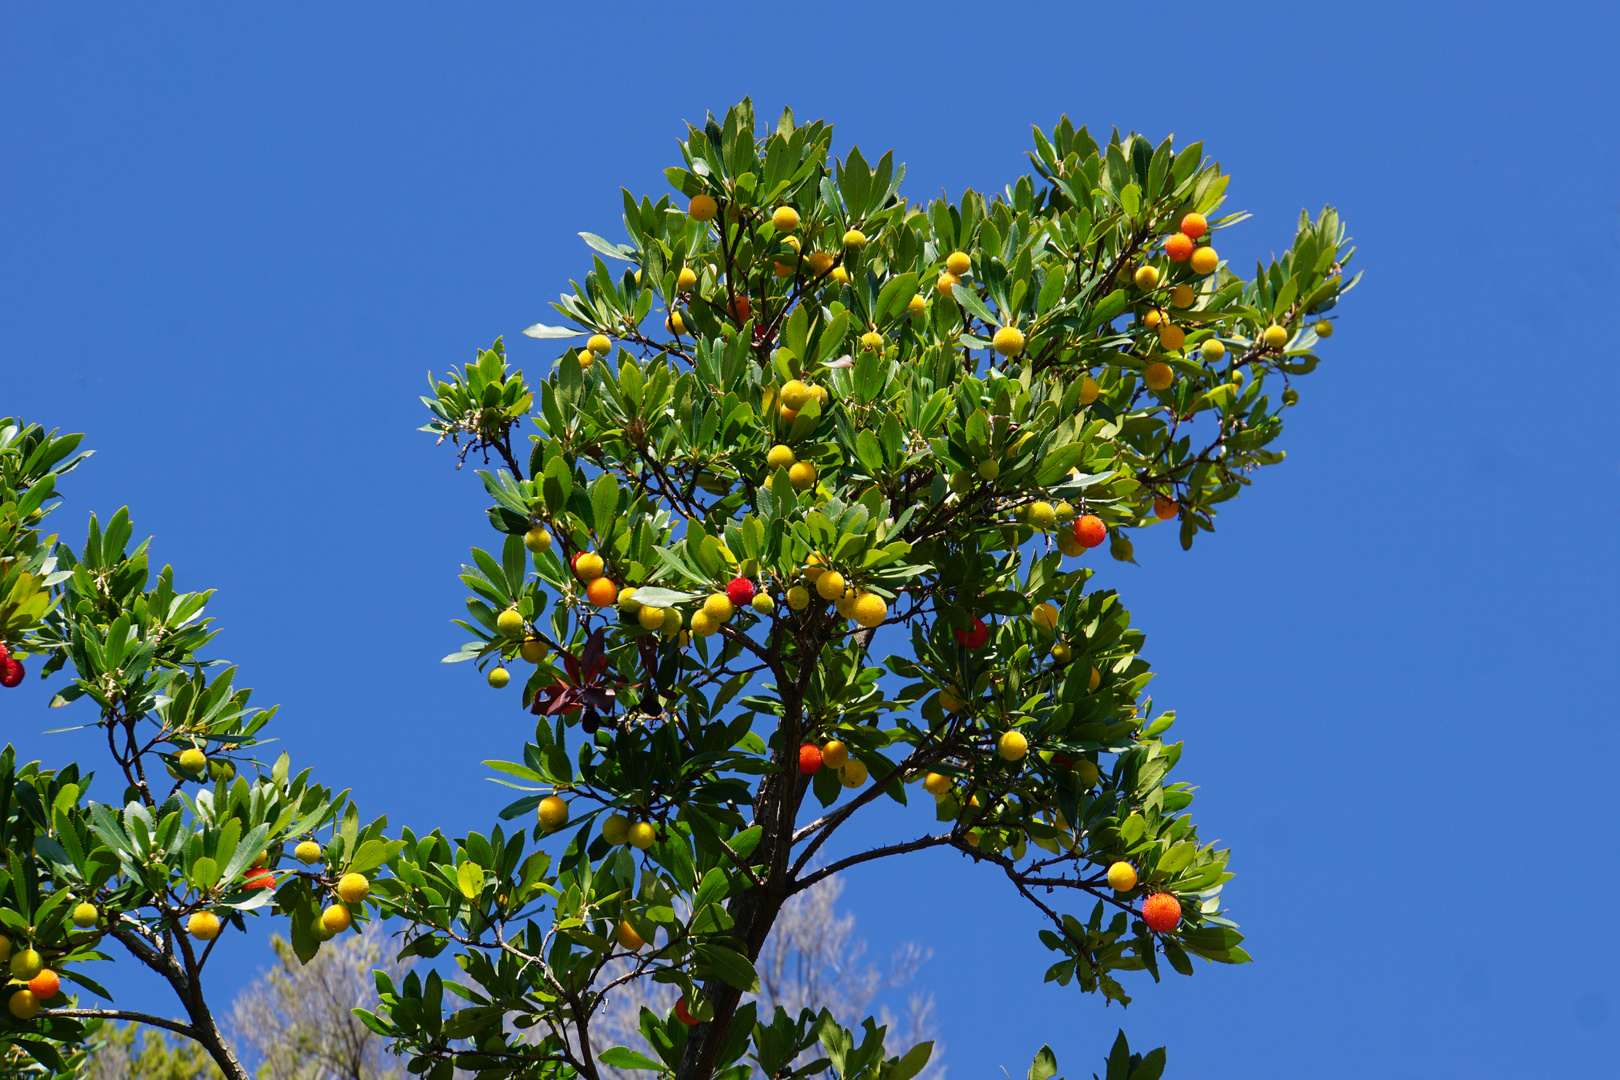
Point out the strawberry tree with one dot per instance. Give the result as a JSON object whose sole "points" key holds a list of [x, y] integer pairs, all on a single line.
{"points": [[184, 836], [799, 520]]}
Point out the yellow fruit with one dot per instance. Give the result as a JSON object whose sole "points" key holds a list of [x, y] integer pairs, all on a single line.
{"points": [[1042, 515], [989, 470], [958, 262], [794, 394], [85, 914], [24, 1005], [1009, 341], [336, 919], [1064, 513], [498, 677], [1045, 616], [616, 829], [834, 755], [599, 344], [935, 784], [1275, 336], [586, 358], [685, 280], [944, 284], [1012, 745], [308, 852], [762, 603], [651, 618], [719, 607], [703, 207], [509, 623], [1089, 390], [917, 305], [950, 701], [852, 775], [674, 324], [820, 262], [870, 609], [798, 598], [627, 600], [1212, 350], [1070, 544], [1146, 277], [353, 888], [26, 964], [840, 275], [830, 585], [642, 835], [537, 539], [1324, 329], [872, 340], [193, 761], [588, 567], [1204, 261], [1159, 376], [1182, 296], [553, 813], [802, 475], [1060, 653], [1153, 318], [854, 238], [203, 925], [672, 621], [785, 218], [626, 934], [1122, 877], [1171, 336], [780, 457], [703, 624], [1095, 681]]}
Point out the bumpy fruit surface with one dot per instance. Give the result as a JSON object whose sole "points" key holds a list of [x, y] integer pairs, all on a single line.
{"points": [[307, 852], [809, 758], [553, 813], [509, 623], [675, 324], [916, 305], [1159, 376], [1122, 877], [1178, 247], [1045, 616], [740, 591], [702, 207], [798, 598], [719, 607], [1061, 653], [872, 340], [24, 1005], [336, 919], [1012, 745], [780, 457], [588, 566], [830, 585], [1172, 337], [26, 964], [958, 262], [259, 879], [533, 650], [12, 672], [854, 238], [703, 624], [353, 888], [1146, 277], [1275, 336], [870, 609], [586, 358], [602, 592], [1009, 341], [1161, 912], [936, 784], [1070, 546], [537, 540], [852, 775], [785, 218], [1182, 296], [1204, 261], [203, 925], [45, 985], [762, 603], [599, 344], [840, 275], [499, 677], [1194, 225], [1042, 515], [85, 914], [989, 470], [802, 475], [642, 835], [945, 284], [193, 761], [974, 636], [1212, 350], [651, 618], [616, 829], [1089, 530], [627, 937], [1089, 390]]}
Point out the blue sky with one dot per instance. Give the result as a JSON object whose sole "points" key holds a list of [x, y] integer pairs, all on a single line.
{"points": [[234, 243]]}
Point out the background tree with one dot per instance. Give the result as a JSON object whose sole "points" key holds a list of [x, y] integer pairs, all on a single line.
{"points": [[807, 402], [187, 847]]}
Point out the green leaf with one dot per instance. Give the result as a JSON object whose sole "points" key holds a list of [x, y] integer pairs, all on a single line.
{"points": [[621, 1057], [1044, 1066], [728, 964], [470, 877]]}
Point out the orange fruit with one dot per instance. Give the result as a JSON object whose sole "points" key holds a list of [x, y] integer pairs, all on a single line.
{"points": [[1161, 912], [602, 592], [1171, 336], [1178, 247], [702, 207], [1165, 509], [1194, 225]]}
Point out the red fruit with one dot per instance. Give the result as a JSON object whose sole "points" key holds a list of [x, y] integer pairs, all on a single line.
{"points": [[1063, 760], [1090, 530], [1179, 247], [974, 638], [260, 879], [12, 673], [741, 309], [1161, 912], [5, 653], [809, 758], [740, 591], [682, 1015]]}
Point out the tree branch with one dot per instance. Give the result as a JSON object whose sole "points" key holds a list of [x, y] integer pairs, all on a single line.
{"points": [[124, 1014]]}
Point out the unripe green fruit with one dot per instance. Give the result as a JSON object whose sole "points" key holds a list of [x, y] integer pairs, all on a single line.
{"points": [[1122, 549], [193, 761], [989, 470], [537, 539], [85, 914], [642, 835], [509, 623], [1087, 771], [961, 482], [26, 964], [499, 677], [762, 603], [1042, 515], [1065, 513], [616, 829], [1290, 396]]}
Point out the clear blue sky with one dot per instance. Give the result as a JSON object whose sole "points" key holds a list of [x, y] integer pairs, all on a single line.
{"points": [[232, 245]]}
